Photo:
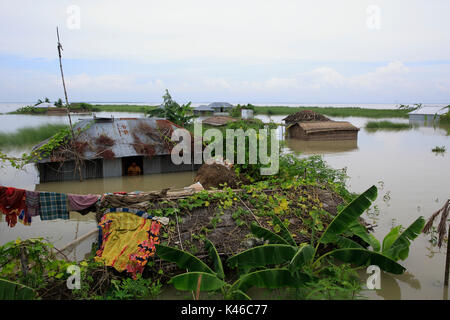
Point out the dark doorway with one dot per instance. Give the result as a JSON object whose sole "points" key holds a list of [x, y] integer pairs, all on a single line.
{"points": [[128, 161]]}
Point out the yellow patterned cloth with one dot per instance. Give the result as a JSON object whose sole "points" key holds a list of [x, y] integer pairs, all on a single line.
{"points": [[128, 241]]}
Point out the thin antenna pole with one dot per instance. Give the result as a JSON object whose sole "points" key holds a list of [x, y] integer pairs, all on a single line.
{"points": [[77, 159], [60, 48]]}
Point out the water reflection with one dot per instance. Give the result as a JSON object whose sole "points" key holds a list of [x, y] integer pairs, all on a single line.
{"points": [[321, 147]]}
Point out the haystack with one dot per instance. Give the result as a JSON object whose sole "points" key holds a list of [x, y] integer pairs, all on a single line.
{"points": [[305, 115]]}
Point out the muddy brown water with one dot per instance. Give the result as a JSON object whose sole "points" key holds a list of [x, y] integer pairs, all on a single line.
{"points": [[412, 181]]}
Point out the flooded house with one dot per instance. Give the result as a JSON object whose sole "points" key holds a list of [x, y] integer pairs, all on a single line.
{"points": [[311, 126], [109, 147], [427, 114]]}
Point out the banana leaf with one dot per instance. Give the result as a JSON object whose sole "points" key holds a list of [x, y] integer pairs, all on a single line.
{"points": [[390, 238], [268, 254], [302, 258], [267, 234], [215, 257], [348, 215], [183, 260], [272, 279], [400, 247], [239, 295], [10, 290], [284, 232], [343, 243], [362, 233], [189, 281], [359, 257]]}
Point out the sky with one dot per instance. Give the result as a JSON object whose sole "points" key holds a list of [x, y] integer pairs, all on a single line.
{"points": [[324, 51]]}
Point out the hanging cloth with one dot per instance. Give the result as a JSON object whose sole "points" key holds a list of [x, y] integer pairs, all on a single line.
{"points": [[79, 202], [12, 203], [128, 241], [53, 206]]}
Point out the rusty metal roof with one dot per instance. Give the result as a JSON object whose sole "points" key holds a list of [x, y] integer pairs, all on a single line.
{"points": [[121, 137], [218, 120]]}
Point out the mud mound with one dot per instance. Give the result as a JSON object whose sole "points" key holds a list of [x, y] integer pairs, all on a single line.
{"points": [[213, 175]]}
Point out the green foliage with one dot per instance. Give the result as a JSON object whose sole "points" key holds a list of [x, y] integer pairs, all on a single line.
{"points": [[16, 257], [377, 125], [396, 244], [15, 291], [336, 111], [236, 111], [28, 136], [135, 289], [172, 111], [438, 149]]}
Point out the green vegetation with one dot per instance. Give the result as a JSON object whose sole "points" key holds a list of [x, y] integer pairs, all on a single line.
{"points": [[438, 149], [29, 136], [387, 125], [336, 112], [172, 111], [122, 108]]}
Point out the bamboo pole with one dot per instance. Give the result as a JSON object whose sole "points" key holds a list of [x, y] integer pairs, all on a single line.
{"points": [[60, 48]]}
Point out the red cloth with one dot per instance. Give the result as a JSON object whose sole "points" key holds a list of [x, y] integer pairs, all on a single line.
{"points": [[12, 202]]}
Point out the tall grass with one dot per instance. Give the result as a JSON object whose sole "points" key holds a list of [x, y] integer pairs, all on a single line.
{"points": [[122, 108], [29, 136], [375, 125], [336, 112]]}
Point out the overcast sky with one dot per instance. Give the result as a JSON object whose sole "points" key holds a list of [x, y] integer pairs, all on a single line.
{"points": [[349, 51]]}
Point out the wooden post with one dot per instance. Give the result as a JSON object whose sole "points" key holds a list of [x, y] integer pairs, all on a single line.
{"points": [[447, 261]]}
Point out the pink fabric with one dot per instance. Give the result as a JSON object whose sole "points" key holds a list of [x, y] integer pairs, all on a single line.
{"points": [[81, 201]]}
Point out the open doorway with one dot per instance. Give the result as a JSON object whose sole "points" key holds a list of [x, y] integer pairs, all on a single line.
{"points": [[132, 166]]}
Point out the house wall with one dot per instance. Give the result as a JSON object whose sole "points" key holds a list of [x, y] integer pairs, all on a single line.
{"points": [[112, 168], [296, 132], [66, 171], [104, 168]]}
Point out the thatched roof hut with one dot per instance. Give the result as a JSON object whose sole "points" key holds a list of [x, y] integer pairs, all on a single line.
{"points": [[305, 115], [323, 130]]}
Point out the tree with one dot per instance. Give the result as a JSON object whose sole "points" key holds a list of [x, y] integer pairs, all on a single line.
{"points": [[172, 111]]}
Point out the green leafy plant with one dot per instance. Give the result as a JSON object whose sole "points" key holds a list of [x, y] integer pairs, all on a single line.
{"points": [[172, 111]]}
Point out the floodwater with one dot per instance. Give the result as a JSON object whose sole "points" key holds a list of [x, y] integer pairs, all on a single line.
{"points": [[412, 181]]}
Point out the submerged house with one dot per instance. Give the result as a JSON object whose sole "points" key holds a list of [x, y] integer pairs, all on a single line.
{"points": [[427, 114], [221, 107], [108, 146], [311, 126], [203, 110]]}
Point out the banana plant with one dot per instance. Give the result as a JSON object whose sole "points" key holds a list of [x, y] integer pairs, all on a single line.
{"points": [[199, 276], [282, 249], [10, 290]]}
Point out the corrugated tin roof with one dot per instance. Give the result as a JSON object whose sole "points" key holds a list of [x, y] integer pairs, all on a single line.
{"points": [[430, 110], [225, 105], [318, 126], [122, 137], [204, 107]]}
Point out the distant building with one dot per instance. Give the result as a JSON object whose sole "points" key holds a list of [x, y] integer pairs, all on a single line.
{"points": [[427, 114], [203, 110], [221, 107], [108, 146]]}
